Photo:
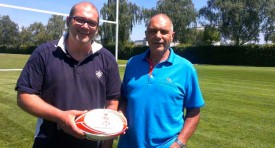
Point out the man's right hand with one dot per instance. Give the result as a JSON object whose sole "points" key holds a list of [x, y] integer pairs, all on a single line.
{"points": [[66, 122]]}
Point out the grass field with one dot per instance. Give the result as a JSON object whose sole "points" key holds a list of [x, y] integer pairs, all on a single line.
{"points": [[239, 110]]}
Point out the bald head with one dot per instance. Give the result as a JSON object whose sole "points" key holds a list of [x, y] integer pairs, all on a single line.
{"points": [[81, 5], [163, 17]]}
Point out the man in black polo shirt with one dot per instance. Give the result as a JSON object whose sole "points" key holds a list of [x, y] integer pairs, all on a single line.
{"points": [[63, 79]]}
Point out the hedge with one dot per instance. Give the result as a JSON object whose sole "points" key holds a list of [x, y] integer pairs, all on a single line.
{"points": [[17, 50], [254, 55], [230, 55]]}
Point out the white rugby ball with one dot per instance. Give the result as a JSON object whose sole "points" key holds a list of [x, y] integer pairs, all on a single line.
{"points": [[101, 124]]}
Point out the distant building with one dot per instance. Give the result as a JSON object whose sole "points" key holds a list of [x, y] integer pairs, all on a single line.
{"points": [[141, 42], [173, 44], [144, 43], [200, 28]]}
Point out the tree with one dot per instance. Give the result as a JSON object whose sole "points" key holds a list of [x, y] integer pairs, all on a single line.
{"points": [[199, 38], [236, 20], [9, 32], [183, 15], [210, 35], [129, 15], [38, 33], [106, 30], [55, 27], [25, 36], [268, 28]]}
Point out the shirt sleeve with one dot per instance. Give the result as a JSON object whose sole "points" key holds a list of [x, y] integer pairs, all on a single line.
{"points": [[31, 77], [194, 98]]}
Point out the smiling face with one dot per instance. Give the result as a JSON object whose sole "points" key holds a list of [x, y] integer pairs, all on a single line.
{"points": [[159, 34], [83, 23]]}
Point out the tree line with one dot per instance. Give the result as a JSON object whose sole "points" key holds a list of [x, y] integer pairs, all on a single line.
{"points": [[239, 21], [33, 35]]}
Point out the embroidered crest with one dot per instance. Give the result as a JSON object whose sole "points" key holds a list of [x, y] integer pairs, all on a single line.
{"points": [[168, 80], [98, 73]]}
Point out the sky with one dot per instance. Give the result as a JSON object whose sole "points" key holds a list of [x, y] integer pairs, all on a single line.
{"points": [[25, 18]]}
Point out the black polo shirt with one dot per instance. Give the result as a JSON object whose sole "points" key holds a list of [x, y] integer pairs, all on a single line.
{"points": [[67, 84]]}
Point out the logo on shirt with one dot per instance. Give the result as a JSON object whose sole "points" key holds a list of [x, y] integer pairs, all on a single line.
{"points": [[168, 80], [98, 73]]}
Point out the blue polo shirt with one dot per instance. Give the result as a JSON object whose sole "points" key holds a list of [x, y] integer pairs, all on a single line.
{"points": [[68, 84], [156, 102]]}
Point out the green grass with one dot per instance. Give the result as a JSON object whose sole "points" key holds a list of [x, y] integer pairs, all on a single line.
{"points": [[239, 110], [17, 127], [12, 61]]}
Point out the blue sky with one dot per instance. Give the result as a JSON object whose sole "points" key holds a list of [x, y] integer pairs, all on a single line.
{"points": [[25, 18]]}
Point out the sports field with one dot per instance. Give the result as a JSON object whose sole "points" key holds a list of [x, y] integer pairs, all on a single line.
{"points": [[239, 110]]}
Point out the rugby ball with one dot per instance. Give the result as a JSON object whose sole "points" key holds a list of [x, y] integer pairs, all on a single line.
{"points": [[101, 124]]}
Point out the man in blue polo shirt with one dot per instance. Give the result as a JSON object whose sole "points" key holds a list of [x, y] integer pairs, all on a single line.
{"points": [[63, 79], [157, 86]]}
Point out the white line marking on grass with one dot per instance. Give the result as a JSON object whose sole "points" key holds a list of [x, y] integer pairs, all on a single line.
{"points": [[10, 69]]}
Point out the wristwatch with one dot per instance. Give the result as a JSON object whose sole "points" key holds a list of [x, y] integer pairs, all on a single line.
{"points": [[180, 143]]}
